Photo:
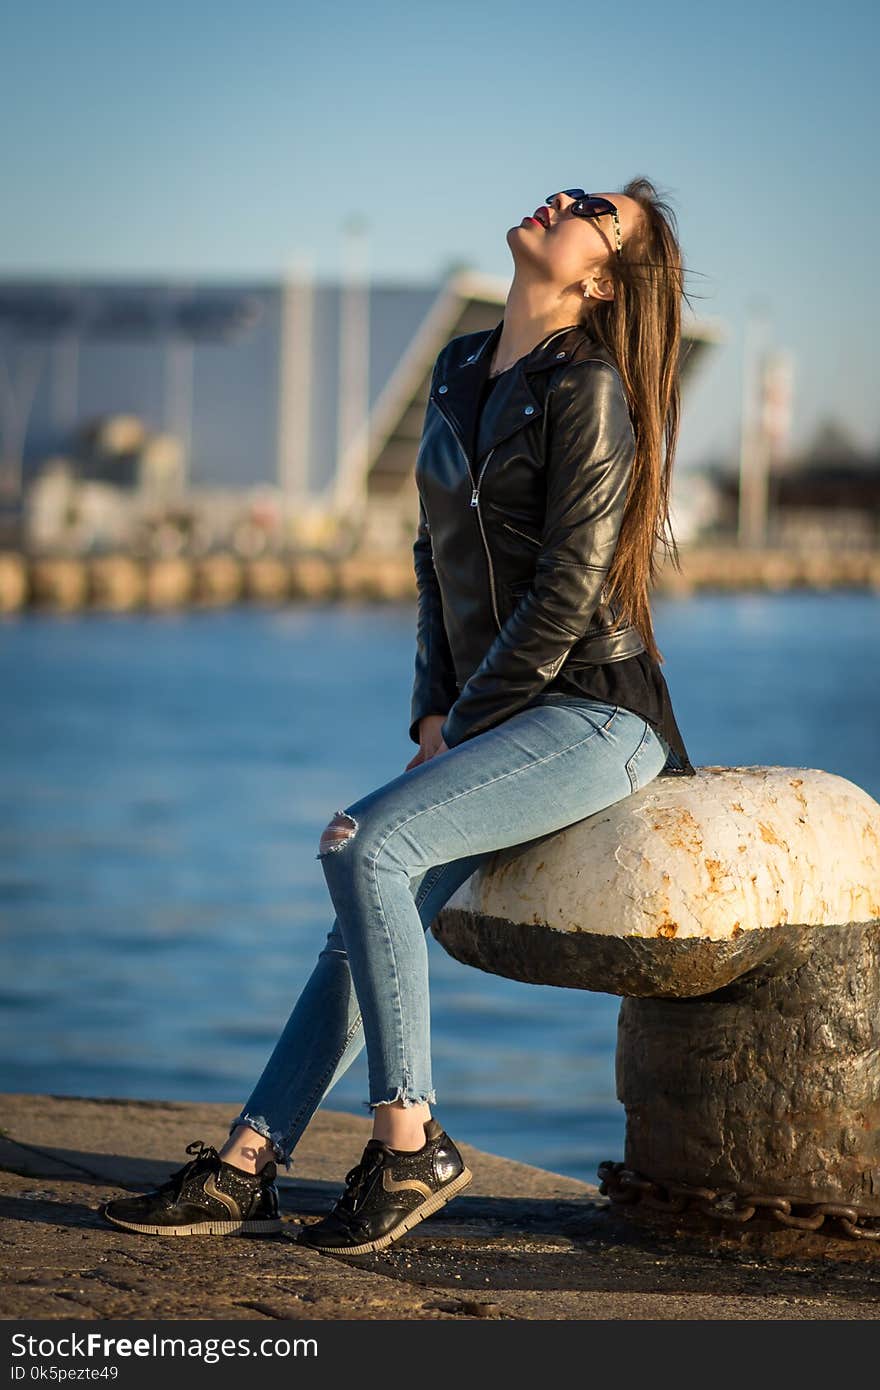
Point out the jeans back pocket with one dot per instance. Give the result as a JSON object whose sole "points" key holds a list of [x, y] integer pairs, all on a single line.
{"points": [[645, 763]]}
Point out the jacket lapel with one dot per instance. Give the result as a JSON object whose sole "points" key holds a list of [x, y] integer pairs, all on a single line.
{"points": [[513, 402]]}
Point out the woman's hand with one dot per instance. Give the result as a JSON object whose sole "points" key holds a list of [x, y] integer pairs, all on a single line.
{"points": [[430, 740]]}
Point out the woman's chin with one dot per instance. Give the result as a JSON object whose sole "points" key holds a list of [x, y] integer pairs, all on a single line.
{"points": [[522, 247], [518, 235]]}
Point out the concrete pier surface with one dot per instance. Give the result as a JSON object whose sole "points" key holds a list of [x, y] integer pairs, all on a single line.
{"points": [[520, 1243]]}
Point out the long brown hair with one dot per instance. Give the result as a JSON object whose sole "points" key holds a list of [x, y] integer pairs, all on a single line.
{"points": [[641, 328]]}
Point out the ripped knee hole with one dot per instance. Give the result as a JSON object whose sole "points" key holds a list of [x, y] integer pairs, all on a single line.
{"points": [[337, 834]]}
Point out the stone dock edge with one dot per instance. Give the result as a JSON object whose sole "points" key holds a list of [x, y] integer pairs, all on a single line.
{"points": [[521, 1243]]}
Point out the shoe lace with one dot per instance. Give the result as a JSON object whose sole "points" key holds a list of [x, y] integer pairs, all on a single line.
{"points": [[357, 1182], [202, 1152]]}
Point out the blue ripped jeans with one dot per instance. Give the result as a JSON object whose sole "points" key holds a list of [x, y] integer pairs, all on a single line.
{"points": [[396, 855]]}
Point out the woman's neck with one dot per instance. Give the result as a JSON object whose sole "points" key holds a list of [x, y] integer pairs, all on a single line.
{"points": [[529, 318]]}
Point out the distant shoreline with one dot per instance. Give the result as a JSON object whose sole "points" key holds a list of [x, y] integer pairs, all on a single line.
{"points": [[118, 582]]}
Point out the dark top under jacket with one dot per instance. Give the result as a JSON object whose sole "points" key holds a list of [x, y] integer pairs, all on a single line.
{"points": [[636, 683]]}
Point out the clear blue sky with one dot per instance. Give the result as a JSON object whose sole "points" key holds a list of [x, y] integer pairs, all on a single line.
{"points": [[213, 139]]}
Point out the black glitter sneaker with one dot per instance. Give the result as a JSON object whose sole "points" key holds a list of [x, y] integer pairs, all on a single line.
{"points": [[388, 1193], [206, 1197]]}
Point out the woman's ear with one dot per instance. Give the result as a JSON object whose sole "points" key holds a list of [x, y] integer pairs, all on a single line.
{"points": [[600, 289]]}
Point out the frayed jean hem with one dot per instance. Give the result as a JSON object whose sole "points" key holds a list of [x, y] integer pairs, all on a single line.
{"points": [[404, 1096]]}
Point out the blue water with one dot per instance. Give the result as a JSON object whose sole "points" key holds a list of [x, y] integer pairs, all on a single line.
{"points": [[164, 783]]}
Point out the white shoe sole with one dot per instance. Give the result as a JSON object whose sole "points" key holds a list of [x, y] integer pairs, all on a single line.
{"points": [[202, 1228], [412, 1218]]}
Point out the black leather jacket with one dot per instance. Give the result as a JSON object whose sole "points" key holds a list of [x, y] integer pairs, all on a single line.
{"points": [[514, 545]]}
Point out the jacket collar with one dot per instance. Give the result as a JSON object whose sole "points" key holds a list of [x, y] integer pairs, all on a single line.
{"points": [[513, 402]]}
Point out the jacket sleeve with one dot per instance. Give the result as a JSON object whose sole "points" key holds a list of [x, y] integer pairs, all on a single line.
{"points": [[590, 449], [434, 686]]}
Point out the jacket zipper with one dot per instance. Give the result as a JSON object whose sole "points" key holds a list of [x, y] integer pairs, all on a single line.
{"points": [[475, 502]]}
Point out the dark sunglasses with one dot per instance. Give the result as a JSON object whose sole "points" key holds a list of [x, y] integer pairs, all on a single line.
{"points": [[585, 205]]}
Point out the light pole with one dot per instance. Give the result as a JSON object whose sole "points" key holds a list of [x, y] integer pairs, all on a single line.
{"points": [[295, 372], [752, 519], [352, 454]]}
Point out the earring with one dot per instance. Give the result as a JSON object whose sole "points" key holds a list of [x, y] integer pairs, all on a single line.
{"points": [[586, 294]]}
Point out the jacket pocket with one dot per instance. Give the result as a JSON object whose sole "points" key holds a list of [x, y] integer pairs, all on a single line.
{"points": [[518, 587], [514, 592], [533, 540]]}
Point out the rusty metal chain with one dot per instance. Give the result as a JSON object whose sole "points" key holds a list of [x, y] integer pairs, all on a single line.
{"points": [[624, 1186]]}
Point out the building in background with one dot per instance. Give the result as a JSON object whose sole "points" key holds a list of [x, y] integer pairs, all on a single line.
{"points": [[826, 496], [177, 415]]}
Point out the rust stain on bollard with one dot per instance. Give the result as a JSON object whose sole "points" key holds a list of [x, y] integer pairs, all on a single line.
{"points": [[769, 835]]}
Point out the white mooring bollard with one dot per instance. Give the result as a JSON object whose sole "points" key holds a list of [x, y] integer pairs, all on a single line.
{"points": [[739, 913]]}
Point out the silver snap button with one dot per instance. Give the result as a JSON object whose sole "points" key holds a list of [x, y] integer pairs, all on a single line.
{"points": [[441, 390], [560, 354], [529, 410]]}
